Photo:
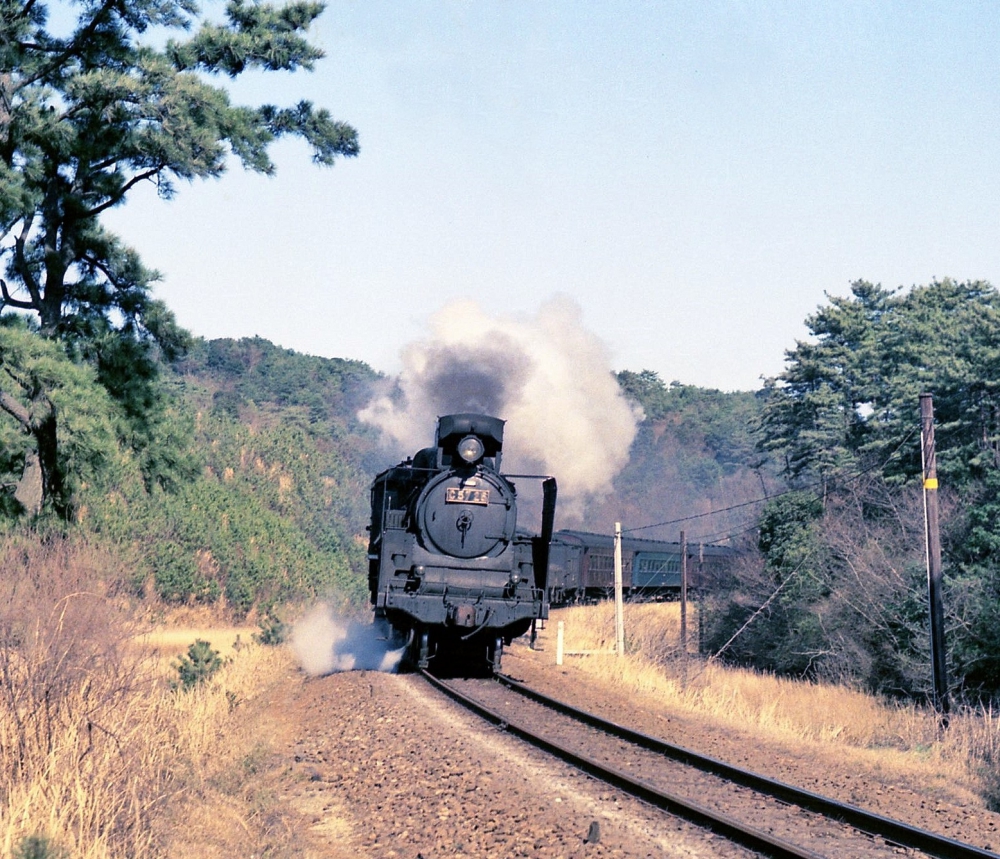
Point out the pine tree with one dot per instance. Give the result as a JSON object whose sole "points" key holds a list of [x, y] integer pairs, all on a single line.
{"points": [[86, 118]]}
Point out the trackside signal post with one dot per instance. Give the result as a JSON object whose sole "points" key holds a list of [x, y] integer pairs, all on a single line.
{"points": [[928, 461]]}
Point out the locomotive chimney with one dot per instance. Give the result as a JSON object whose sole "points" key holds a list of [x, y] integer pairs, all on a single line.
{"points": [[452, 430]]}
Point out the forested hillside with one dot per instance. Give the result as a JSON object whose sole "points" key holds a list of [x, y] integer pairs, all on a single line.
{"points": [[276, 505], [694, 464], [277, 501], [839, 588]]}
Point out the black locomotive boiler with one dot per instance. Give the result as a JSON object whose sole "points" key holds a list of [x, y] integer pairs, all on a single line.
{"points": [[449, 569]]}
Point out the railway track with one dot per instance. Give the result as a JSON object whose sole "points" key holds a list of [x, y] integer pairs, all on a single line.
{"points": [[764, 815]]}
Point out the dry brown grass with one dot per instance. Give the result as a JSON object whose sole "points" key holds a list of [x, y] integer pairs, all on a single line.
{"points": [[225, 759], [903, 737], [74, 706], [164, 642], [101, 758]]}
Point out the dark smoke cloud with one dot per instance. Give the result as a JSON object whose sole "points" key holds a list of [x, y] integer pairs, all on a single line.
{"points": [[484, 380], [546, 375]]}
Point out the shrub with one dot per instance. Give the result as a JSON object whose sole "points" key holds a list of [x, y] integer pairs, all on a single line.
{"points": [[273, 631], [200, 663], [38, 847]]}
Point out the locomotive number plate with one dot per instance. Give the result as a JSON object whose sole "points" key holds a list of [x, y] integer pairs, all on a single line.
{"points": [[464, 495]]}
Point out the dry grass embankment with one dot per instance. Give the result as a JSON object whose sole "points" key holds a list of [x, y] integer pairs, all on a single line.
{"points": [[901, 737], [101, 758]]}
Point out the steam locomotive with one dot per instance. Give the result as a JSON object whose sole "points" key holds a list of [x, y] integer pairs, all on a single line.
{"points": [[449, 570]]}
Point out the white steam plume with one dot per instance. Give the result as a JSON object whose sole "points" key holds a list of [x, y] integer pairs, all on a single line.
{"points": [[326, 644], [546, 375]]}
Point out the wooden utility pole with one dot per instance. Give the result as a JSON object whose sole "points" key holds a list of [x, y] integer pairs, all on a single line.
{"points": [[928, 459]]}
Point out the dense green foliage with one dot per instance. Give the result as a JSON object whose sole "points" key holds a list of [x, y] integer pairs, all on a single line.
{"points": [[695, 452], [277, 508], [45, 382], [840, 590], [252, 371], [850, 400], [86, 117]]}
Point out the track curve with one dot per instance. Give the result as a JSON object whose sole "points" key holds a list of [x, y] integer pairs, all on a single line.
{"points": [[780, 803], [929, 843]]}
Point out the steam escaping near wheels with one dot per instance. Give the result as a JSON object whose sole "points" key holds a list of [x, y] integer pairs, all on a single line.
{"points": [[325, 643]]}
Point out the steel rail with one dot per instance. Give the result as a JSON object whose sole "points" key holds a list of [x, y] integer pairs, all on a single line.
{"points": [[874, 824], [734, 830]]}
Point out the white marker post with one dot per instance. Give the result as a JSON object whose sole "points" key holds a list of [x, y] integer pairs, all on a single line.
{"points": [[559, 643], [619, 610]]}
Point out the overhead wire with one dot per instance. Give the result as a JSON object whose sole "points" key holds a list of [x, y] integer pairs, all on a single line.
{"points": [[722, 537]]}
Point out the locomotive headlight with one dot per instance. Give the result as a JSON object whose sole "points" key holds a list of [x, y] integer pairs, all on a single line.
{"points": [[470, 449]]}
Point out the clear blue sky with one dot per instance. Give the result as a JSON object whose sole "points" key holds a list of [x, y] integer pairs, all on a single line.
{"points": [[696, 175]]}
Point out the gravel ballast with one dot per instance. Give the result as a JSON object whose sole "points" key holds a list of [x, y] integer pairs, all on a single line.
{"points": [[380, 765]]}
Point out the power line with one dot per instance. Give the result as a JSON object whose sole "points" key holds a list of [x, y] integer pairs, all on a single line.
{"points": [[807, 488], [701, 515]]}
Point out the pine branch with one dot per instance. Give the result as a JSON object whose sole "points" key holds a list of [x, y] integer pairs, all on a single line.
{"points": [[10, 301]]}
